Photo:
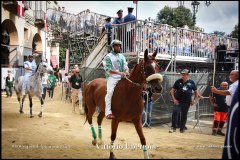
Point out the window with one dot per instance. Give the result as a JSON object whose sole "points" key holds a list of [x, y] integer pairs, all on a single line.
{"points": [[25, 33]]}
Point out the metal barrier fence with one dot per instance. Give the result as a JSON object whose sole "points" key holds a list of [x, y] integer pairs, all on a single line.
{"points": [[203, 108]]}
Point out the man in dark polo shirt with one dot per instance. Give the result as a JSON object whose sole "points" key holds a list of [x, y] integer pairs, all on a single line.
{"points": [[181, 93], [220, 110]]}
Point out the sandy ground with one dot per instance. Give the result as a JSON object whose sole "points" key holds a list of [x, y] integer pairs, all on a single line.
{"points": [[61, 134]]}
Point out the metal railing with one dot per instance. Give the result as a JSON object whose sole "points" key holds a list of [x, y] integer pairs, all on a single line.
{"points": [[138, 35], [39, 14]]}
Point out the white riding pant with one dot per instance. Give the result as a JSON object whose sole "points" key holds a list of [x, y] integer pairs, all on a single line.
{"points": [[25, 81], [111, 84]]}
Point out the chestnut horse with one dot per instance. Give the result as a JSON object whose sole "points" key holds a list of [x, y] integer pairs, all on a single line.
{"points": [[127, 102]]}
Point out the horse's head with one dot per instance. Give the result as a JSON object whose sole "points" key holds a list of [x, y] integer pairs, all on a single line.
{"points": [[43, 67], [152, 69]]}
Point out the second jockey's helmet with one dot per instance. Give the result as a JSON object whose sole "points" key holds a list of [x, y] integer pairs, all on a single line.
{"points": [[115, 41]]}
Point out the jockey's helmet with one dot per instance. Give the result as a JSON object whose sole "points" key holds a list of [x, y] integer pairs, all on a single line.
{"points": [[115, 41]]}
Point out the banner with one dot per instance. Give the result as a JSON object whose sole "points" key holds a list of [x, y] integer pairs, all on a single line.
{"points": [[67, 61], [54, 61]]}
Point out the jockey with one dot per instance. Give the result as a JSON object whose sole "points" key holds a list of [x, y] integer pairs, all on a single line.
{"points": [[116, 68], [30, 68]]}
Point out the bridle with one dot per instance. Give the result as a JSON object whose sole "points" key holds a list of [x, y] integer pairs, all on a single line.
{"points": [[143, 71]]}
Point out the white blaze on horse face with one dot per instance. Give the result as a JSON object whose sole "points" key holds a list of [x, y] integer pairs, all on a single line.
{"points": [[153, 65]]}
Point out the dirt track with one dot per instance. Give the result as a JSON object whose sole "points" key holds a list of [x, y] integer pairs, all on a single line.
{"points": [[61, 134]]}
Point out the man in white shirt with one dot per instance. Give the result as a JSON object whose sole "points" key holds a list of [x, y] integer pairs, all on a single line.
{"points": [[30, 68], [233, 77], [44, 84]]}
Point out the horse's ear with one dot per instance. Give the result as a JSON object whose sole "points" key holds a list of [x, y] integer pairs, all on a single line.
{"points": [[146, 54], [154, 54]]}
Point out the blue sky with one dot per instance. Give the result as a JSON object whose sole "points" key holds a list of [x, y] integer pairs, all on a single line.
{"points": [[220, 15]]}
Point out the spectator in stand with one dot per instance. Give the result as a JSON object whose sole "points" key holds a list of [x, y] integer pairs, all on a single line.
{"points": [[107, 27], [130, 32], [130, 17], [117, 22]]}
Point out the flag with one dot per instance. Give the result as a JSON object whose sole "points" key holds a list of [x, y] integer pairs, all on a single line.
{"points": [[66, 61], [20, 9], [135, 2], [45, 22]]}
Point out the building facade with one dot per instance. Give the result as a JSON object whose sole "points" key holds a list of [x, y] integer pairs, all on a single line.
{"points": [[24, 32]]}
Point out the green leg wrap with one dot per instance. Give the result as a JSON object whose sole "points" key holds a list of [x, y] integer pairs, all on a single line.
{"points": [[99, 131], [93, 132]]}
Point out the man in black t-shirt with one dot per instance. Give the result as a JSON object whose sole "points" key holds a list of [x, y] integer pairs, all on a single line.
{"points": [[76, 84], [181, 93], [220, 110]]}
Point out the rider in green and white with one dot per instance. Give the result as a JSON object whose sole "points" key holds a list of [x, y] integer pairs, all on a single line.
{"points": [[116, 68]]}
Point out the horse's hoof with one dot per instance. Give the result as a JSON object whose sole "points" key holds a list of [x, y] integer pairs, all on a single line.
{"points": [[40, 114], [94, 142], [82, 112], [112, 156], [21, 111], [31, 116], [99, 142]]}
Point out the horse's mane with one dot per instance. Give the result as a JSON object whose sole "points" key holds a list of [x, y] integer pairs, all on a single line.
{"points": [[37, 68], [134, 69]]}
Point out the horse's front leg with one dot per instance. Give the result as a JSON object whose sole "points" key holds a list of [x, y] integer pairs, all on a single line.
{"points": [[138, 126], [21, 104], [114, 127], [42, 102], [30, 102], [99, 121]]}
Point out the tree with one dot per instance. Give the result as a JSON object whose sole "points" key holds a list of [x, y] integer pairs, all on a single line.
{"points": [[165, 16], [234, 33], [176, 17], [219, 33]]}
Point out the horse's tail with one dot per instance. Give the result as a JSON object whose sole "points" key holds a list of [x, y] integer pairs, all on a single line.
{"points": [[85, 109]]}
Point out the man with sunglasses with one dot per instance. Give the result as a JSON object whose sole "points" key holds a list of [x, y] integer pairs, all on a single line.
{"points": [[76, 84]]}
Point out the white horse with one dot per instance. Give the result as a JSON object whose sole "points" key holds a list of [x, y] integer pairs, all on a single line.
{"points": [[34, 87]]}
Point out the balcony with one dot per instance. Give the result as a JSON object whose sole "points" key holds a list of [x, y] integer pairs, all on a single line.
{"points": [[11, 6], [39, 18]]}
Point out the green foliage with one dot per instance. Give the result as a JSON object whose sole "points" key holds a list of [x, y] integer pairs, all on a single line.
{"points": [[62, 56], [234, 33], [176, 17]]}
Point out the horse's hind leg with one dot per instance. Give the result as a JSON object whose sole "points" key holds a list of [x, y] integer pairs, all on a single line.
{"points": [[30, 102], [138, 126], [90, 113], [99, 121], [114, 127], [42, 102]]}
